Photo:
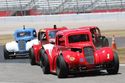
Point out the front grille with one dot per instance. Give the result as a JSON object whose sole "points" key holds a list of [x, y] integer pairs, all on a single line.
{"points": [[21, 45], [89, 54]]}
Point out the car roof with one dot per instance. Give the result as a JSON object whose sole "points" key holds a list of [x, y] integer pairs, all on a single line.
{"points": [[72, 31], [24, 29], [88, 27], [58, 28]]}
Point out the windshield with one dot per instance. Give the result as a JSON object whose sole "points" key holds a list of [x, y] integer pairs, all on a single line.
{"points": [[52, 34], [23, 34], [78, 38]]}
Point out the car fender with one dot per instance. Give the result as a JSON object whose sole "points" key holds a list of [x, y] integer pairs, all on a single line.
{"points": [[104, 55], [12, 46], [70, 57], [36, 49], [48, 48], [29, 44]]}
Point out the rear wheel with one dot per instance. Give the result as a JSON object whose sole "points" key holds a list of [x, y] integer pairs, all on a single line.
{"points": [[115, 65], [44, 62], [6, 53], [61, 67], [32, 57]]}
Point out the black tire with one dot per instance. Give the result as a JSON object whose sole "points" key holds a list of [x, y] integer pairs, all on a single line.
{"points": [[105, 42], [41, 57], [6, 53], [115, 65], [32, 57], [44, 62], [61, 67]]}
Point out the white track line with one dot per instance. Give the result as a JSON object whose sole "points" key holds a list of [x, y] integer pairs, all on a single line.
{"points": [[122, 64]]}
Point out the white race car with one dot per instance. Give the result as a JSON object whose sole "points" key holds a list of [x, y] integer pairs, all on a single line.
{"points": [[24, 39]]}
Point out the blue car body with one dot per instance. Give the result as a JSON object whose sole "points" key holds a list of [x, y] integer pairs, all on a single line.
{"points": [[22, 36]]}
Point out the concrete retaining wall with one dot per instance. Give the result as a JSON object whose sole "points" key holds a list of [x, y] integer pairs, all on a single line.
{"points": [[106, 21]]}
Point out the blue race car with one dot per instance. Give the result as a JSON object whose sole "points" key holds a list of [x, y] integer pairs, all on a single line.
{"points": [[24, 39]]}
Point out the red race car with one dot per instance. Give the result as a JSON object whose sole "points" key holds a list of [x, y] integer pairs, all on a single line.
{"points": [[98, 39], [45, 36], [74, 52]]}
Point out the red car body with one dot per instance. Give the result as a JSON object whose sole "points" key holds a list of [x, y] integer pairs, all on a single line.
{"points": [[34, 51], [74, 52]]}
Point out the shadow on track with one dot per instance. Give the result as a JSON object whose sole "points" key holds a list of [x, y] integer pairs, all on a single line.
{"points": [[90, 74]]}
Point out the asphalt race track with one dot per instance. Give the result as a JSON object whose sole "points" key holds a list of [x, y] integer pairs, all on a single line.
{"points": [[20, 71]]}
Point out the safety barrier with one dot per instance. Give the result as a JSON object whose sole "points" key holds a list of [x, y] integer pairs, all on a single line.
{"points": [[106, 21]]}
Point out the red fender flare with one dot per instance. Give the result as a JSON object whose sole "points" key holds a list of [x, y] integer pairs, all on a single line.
{"points": [[36, 49], [105, 54], [71, 58]]}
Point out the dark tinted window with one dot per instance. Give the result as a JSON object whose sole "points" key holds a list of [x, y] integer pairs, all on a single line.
{"points": [[42, 36], [23, 34], [76, 50], [78, 38], [52, 34]]}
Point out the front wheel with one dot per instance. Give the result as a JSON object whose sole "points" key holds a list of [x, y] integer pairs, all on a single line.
{"points": [[32, 57], [115, 65], [61, 67], [6, 53], [44, 62]]}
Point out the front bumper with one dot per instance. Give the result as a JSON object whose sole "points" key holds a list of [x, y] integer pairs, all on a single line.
{"points": [[88, 68]]}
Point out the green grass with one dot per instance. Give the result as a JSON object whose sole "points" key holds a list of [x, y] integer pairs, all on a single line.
{"points": [[121, 53], [6, 38]]}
